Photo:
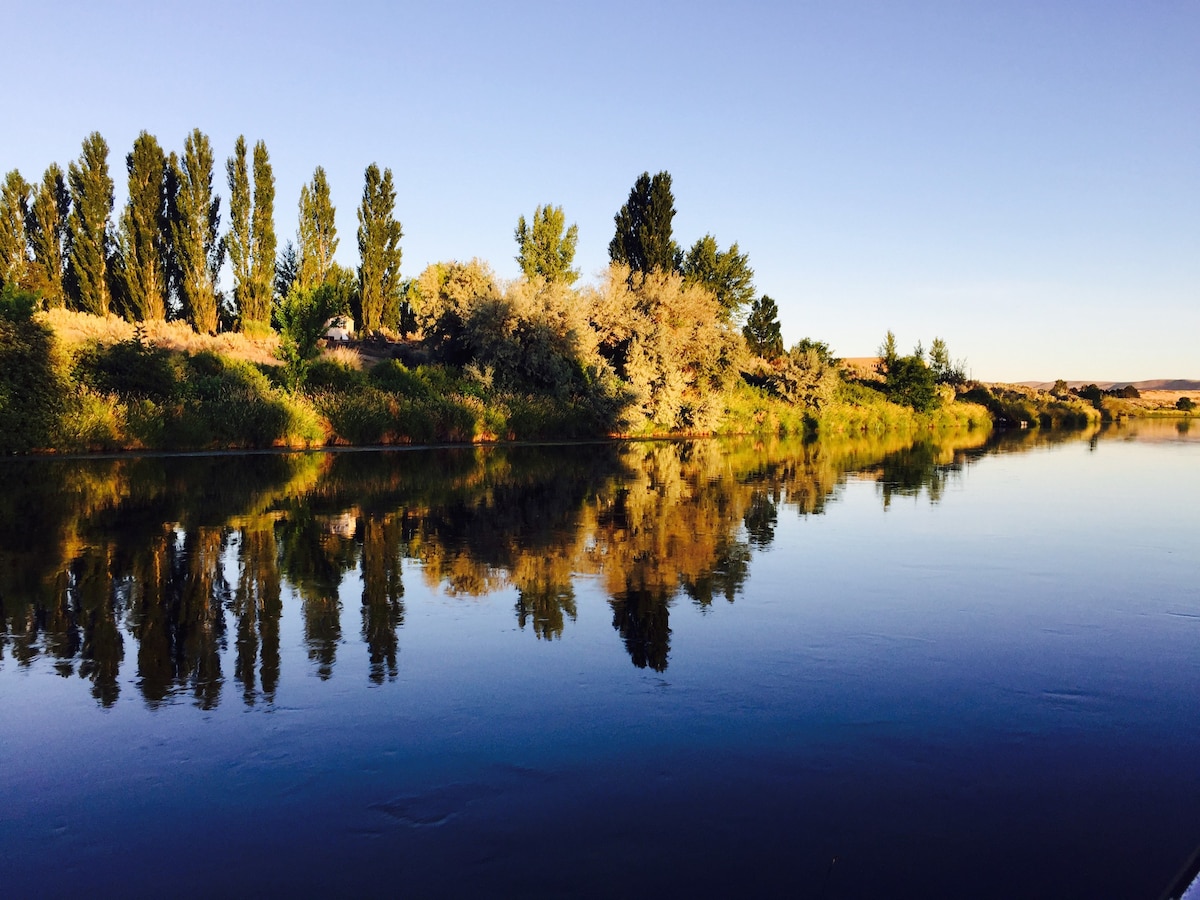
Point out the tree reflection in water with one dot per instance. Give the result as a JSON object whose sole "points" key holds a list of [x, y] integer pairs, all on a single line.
{"points": [[179, 555]]}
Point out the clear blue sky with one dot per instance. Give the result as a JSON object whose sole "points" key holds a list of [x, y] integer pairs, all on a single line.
{"points": [[1019, 178]]}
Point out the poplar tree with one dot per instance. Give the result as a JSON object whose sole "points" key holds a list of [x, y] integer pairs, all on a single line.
{"points": [[317, 237], [88, 237], [262, 241], [14, 245], [237, 241], [142, 234], [379, 250], [545, 249], [643, 238], [726, 273], [46, 228], [199, 251]]}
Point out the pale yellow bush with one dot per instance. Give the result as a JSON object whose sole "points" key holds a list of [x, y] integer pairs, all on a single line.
{"points": [[348, 357]]}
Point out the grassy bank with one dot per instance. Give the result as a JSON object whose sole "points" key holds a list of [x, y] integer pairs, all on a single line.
{"points": [[1017, 406], [77, 383]]}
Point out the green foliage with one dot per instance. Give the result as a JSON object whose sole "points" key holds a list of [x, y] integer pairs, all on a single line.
{"points": [[944, 370], [143, 232], [230, 403], [1092, 394], [360, 417], [131, 370], [33, 393], [87, 228], [46, 229], [1185, 404], [394, 377], [762, 330], [804, 378], [726, 273], [132, 395], [443, 299], [379, 250], [287, 268], [531, 338], [14, 211], [819, 347], [198, 249], [317, 236], [251, 237], [911, 383], [546, 251], [643, 240], [303, 315], [1013, 405], [665, 341], [16, 305], [858, 408], [237, 241], [753, 409], [256, 306], [329, 374], [887, 351]]}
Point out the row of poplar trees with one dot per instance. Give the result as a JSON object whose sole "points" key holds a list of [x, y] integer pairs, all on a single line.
{"points": [[162, 259]]}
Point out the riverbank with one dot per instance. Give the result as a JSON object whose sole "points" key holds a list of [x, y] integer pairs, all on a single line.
{"points": [[75, 384]]}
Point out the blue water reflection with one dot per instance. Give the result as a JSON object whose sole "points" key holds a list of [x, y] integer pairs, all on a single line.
{"points": [[701, 668]]}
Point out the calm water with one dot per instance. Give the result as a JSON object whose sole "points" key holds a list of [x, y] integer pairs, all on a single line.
{"points": [[837, 669]]}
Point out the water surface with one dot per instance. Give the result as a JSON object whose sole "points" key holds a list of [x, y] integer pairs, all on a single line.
{"points": [[841, 668]]}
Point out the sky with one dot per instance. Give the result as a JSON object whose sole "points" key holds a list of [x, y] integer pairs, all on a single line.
{"points": [[1021, 179]]}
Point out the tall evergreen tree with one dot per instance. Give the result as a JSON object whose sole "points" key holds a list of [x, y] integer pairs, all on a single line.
{"points": [[726, 273], [46, 228], [257, 306], [287, 268], [88, 235], [379, 250], [763, 334], [545, 250], [14, 244], [887, 352], [143, 230], [237, 241], [317, 236], [199, 250], [643, 238]]}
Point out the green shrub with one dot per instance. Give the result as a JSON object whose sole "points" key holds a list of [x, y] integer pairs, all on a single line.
{"points": [[328, 374], [130, 369], [93, 421], [394, 377], [33, 390], [365, 416]]}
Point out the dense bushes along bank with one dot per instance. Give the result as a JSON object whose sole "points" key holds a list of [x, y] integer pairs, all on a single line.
{"points": [[90, 384]]}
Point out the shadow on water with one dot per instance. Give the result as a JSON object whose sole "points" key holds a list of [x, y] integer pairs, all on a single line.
{"points": [[162, 563]]}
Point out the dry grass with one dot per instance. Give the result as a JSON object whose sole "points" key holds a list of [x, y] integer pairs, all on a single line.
{"points": [[75, 328], [344, 356], [1169, 398], [864, 368]]}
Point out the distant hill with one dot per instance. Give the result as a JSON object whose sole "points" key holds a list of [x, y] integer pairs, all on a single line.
{"points": [[1155, 384]]}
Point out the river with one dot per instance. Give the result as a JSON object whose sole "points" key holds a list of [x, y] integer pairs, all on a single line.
{"points": [[854, 667]]}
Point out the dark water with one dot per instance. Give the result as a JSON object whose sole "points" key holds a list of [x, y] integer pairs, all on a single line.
{"points": [[837, 669]]}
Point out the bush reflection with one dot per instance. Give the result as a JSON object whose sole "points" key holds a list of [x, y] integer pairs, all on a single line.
{"points": [[182, 567]]}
